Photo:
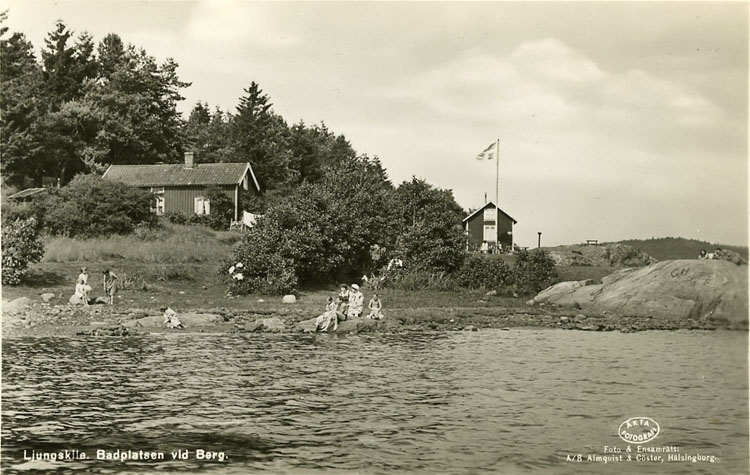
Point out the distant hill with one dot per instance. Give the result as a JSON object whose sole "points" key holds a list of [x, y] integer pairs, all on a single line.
{"points": [[679, 248]]}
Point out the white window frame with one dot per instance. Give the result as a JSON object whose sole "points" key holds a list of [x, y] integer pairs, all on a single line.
{"points": [[489, 233], [158, 208], [202, 205]]}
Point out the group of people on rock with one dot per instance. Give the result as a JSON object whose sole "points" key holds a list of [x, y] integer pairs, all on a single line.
{"points": [[81, 295], [348, 304], [722, 254]]}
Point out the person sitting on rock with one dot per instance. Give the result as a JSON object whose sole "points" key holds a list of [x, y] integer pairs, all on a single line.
{"points": [[356, 301], [375, 306], [170, 319], [83, 288], [329, 316], [343, 301]]}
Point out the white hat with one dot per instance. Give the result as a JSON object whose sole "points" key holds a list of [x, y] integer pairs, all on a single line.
{"points": [[355, 286]]}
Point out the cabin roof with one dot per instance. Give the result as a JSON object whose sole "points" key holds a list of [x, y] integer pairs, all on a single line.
{"points": [[201, 174]]}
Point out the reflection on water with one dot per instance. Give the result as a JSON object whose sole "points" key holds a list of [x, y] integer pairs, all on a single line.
{"points": [[521, 401]]}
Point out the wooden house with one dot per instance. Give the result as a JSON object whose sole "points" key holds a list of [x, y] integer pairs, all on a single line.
{"points": [[481, 225], [181, 187]]}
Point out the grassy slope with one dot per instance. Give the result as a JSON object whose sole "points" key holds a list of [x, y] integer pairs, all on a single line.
{"points": [[679, 248], [178, 265]]}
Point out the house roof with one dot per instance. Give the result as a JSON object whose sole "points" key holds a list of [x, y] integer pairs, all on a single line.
{"points": [[26, 193], [202, 174], [482, 209]]}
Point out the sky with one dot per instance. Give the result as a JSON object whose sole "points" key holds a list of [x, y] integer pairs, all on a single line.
{"points": [[616, 120]]}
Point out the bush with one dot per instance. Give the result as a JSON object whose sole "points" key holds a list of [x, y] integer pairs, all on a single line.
{"points": [[176, 217], [264, 272], [534, 271], [21, 246], [222, 209], [484, 272], [416, 279], [90, 206], [198, 220]]}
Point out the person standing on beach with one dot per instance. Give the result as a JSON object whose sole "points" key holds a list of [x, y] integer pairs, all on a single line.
{"points": [[110, 286]]}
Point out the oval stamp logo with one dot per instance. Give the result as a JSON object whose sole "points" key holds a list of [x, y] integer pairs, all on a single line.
{"points": [[638, 430]]}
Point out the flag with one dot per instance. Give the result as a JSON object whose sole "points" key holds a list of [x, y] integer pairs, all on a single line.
{"points": [[488, 153]]}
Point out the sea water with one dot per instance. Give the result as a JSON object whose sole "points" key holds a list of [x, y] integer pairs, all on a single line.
{"points": [[492, 401]]}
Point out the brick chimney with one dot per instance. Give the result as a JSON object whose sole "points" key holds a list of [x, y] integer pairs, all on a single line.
{"points": [[188, 160]]}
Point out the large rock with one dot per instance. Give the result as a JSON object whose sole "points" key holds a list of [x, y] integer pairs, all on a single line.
{"points": [[670, 289], [289, 299], [47, 296], [17, 305], [273, 324]]}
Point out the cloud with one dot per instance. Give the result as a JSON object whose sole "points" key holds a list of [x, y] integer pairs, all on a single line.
{"points": [[222, 23]]}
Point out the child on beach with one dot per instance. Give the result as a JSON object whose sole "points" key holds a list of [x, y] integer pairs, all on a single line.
{"points": [[375, 306], [110, 286]]}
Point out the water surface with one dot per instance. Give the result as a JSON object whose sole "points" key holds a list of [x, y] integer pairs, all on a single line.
{"points": [[520, 401]]}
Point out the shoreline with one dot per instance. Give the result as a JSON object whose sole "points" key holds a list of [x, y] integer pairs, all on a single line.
{"points": [[44, 320]]}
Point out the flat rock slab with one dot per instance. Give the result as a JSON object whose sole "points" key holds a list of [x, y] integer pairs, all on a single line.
{"points": [[188, 319], [682, 289], [353, 325]]}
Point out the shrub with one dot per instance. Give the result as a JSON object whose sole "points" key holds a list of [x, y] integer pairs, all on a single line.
{"points": [[484, 272], [21, 246], [417, 279], [90, 206], [176, 217], [198, 220], [266, 273], [534, 271], [222, 209]]}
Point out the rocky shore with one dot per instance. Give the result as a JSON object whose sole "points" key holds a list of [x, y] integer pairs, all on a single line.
{"points": [[27, 317]]}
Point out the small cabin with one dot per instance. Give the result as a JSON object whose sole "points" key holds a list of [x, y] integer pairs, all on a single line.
{"points": [[181, 187], [491, 224]]}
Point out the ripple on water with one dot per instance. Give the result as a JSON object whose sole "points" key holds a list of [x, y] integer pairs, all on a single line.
{"points": [[502, 402]]}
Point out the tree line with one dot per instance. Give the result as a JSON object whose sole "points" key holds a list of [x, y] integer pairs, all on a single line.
{"points": [[84, 106], [329, 213]]}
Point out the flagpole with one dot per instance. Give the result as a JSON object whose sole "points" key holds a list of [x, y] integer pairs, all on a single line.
{"points": [[497, 196]]}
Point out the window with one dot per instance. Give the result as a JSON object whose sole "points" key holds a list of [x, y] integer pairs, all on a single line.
{"points": [[158, 208], [489, 214], [489, 233], [202, 205]]}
